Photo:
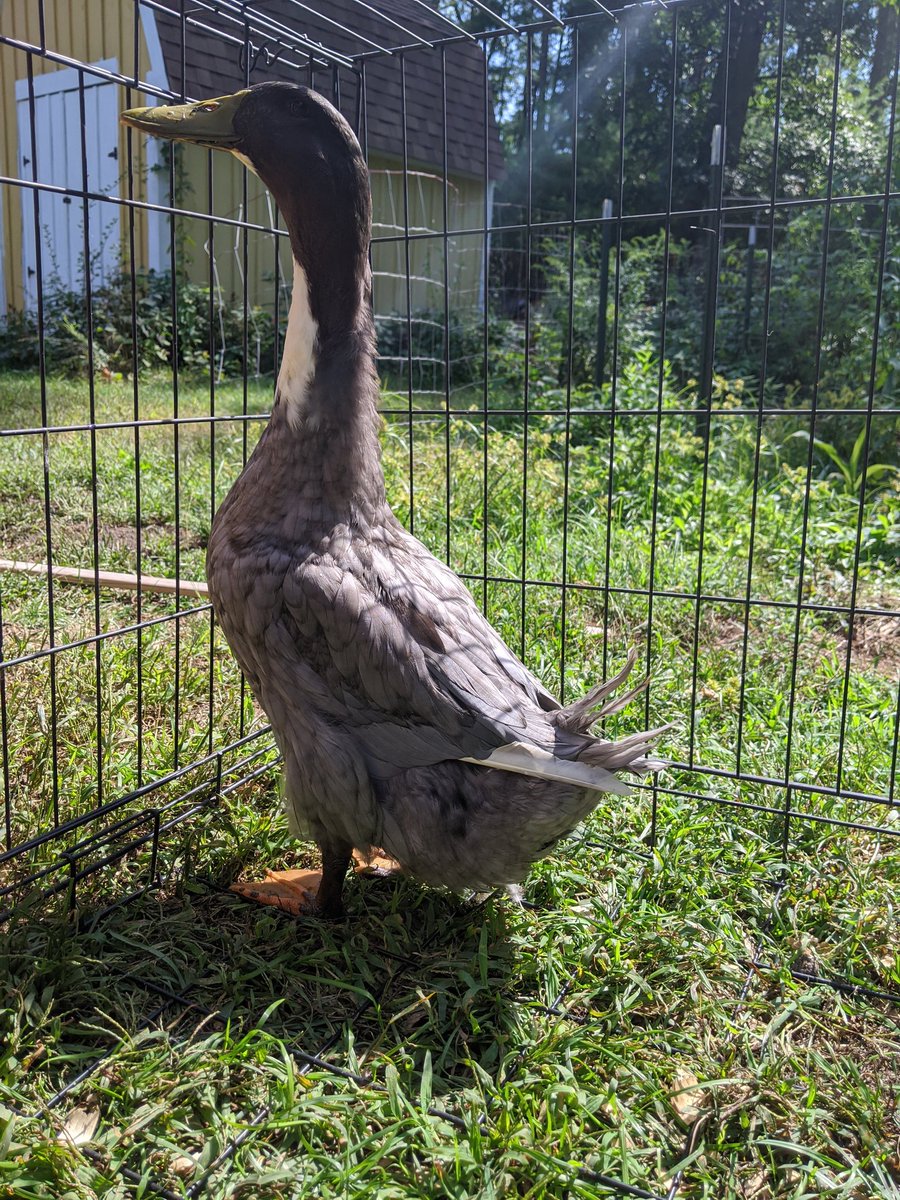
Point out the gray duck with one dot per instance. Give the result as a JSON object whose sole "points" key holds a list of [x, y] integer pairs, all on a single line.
{"points": [[403, 719]]}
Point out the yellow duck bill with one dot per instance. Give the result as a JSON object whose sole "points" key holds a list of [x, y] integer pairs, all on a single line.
{"points": [[206, 122]]}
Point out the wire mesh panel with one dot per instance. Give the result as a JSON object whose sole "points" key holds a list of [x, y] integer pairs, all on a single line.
{"points": [[638, 350]]}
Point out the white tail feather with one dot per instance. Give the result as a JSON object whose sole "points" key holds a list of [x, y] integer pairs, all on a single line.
{"points": [[530, 760]]}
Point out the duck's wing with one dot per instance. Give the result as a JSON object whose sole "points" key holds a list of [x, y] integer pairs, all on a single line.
{"points": [[413, 667]]}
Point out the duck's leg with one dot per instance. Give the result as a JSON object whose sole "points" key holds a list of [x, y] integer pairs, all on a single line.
{"points": [[316, 893], [329, 901], [305, 893]]}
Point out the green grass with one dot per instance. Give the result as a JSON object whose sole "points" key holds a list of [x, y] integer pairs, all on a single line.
{"points": [[666, 1057]]}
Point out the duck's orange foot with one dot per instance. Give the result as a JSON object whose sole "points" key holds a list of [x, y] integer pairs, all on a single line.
{"points": [[301, 893], [293, 892], [377, 866]]}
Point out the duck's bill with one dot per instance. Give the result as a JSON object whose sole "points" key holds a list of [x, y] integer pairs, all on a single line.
{"points": [[207, 122]]}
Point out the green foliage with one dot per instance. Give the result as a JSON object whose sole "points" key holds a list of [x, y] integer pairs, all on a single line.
{"points": [[652, 274], [852, 471], [638, 52], [809, 311], [815, 340], [116, 345]]}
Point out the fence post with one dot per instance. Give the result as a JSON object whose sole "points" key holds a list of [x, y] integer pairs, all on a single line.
{"points": [[748, 283], [605, 246], [713, 232]]}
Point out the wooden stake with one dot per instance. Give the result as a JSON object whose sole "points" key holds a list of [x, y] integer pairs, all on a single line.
{"points": [[117, 580]]}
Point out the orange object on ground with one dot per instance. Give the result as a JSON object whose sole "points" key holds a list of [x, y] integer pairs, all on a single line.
{"points": [[379, 864], [291, 891], [295, 891]]}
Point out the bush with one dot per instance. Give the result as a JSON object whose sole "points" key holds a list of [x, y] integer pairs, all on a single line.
{"points": [[111, 345], [799, 307]]}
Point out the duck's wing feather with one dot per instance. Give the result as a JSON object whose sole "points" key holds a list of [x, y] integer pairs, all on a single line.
{"points": [[416, 671]]}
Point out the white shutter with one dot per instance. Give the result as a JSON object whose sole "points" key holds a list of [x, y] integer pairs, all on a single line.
{"points": [[58, 146]]}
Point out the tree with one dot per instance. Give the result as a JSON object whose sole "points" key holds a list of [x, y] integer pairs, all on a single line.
{"points": [[736, 77], [657, 59], [884, 51]]}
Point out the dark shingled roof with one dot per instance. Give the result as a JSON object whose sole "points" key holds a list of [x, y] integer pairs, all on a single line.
{"points": [[215, 66]]}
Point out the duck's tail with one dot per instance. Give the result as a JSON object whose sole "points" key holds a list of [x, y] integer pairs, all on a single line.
{"points": [[581, 714], [630, 753], [579, 758]]}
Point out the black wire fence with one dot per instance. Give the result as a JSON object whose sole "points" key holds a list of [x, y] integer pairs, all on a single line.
{"points": [[598, 310]]}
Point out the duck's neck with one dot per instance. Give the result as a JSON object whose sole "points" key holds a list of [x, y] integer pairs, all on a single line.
{"points": [[327, 391]]}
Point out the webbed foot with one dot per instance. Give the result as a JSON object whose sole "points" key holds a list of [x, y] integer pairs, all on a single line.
{"points": [[304, 893], [294, 892]]}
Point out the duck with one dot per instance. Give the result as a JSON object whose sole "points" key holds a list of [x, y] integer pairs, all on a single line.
{"points": [[405, 725]]}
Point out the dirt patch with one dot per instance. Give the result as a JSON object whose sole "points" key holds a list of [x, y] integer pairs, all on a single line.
{"points": [[74, 540], [111, 536], [876, 640], [723, 633], [119, 536]]}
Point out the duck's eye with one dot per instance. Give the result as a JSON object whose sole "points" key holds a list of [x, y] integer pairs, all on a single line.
{"points": [[203, 108]]}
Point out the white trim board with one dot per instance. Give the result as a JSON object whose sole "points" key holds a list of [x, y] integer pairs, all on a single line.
{"points": [[157, 224], [65, 79], [2, 262], [157, 73]]}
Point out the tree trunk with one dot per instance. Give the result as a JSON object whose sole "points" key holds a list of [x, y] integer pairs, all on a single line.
{"points": [[747, 29], [885, 53], [540, 100]]}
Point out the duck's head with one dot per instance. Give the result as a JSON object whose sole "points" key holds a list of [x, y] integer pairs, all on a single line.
{"points": [[308, 156]]}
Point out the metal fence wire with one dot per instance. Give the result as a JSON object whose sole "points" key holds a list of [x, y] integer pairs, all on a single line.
{"points": [[712, 341]]}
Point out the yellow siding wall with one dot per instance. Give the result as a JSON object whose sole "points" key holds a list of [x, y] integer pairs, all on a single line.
{"points": [[217, 183], [465, 210], [86, 30], [93, 30], [465, 253]]}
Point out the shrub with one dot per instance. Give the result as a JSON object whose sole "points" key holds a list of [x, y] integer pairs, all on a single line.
{"points": [[111, 346], [800, 307]]}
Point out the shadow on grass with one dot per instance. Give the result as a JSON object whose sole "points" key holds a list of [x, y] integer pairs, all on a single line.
{"points": [[410, 971]]}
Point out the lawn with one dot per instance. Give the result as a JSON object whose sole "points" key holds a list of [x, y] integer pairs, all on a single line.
{"points": [[653, 1013]]}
